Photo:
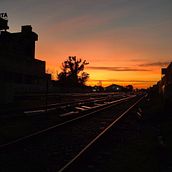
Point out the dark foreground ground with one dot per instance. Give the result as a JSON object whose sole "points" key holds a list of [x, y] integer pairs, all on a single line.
{"points": [[141, 143], [156, 131], [147, 144]]}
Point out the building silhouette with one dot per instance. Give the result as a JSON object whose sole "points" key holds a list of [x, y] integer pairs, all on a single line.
{"points": [[3, 24], [114, 88], [165, 85], [20, 71]]}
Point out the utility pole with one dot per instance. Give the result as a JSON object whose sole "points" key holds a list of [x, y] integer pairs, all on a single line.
{"points": [[46, 95]]}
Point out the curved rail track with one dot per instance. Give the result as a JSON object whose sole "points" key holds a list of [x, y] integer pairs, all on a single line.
{"points": [[57, 147]]}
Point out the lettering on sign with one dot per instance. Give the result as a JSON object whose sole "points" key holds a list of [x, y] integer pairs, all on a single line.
{"points": [[4, 16]]}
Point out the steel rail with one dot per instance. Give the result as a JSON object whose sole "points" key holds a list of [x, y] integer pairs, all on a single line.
{"points": [[54, 106], [43, 108], [100, 108], [90, 144]]}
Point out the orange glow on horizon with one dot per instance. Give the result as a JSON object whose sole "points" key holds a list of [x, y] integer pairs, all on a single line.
{"points": [[114, 56], [139, 79], [103, 58]]}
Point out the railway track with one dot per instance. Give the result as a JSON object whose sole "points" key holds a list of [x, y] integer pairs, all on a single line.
{"points": [[55, 148], [80, 102], [42, 107], [35, 121], [92, 156]]}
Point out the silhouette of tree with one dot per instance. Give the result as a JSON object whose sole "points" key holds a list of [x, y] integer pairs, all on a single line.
{"points": [[72, 72]]}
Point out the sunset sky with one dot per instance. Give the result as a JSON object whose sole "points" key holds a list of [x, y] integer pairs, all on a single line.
{"points": [[124, 41]]}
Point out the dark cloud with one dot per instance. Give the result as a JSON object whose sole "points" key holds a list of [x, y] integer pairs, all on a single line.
{"points": [[155, 64], [116, 68]]}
